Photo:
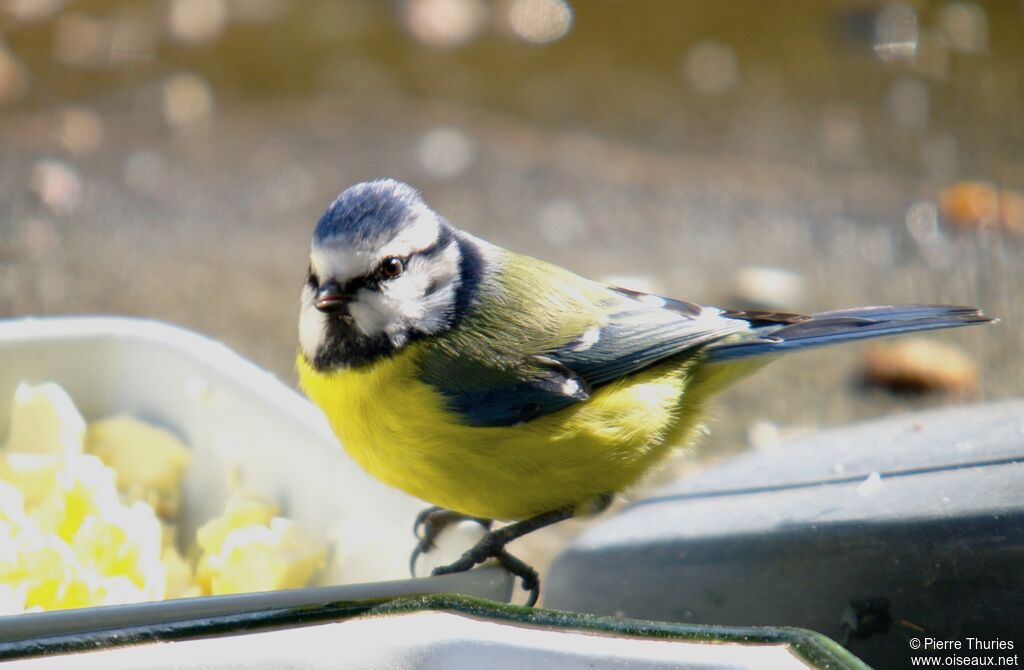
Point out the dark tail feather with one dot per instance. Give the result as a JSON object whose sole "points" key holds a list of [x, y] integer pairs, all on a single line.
{"points": [[845, 325]]}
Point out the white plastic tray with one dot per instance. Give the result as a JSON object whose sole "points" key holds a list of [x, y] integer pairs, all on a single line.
{"points": [[241, 423]]}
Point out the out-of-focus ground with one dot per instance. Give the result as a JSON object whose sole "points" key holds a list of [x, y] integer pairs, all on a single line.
{"points": [[170, 160]]}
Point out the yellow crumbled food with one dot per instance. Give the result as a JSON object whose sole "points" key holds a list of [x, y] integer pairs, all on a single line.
{"points": [[45, 420], [79, 529], [143, 455], [83, 487], [41, 571], [77, 545], [37, 570], [33, 474], [124, 542], [248, 549], [150, 461], [239, 512]]}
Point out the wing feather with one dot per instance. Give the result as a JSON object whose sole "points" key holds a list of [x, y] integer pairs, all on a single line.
{"points": [[503, 373]]}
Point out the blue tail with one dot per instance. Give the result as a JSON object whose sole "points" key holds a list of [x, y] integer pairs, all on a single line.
{"points": [[841, 325]]}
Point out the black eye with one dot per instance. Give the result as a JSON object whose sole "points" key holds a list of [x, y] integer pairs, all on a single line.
{"points": [[391, 267], [311, 279]]}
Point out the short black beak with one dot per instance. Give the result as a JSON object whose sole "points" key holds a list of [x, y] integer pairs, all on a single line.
{"points": [[330, 298]]}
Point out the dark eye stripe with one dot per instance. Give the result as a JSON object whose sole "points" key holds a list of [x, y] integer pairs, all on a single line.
{"points": [[429, 251], [373, 280]]}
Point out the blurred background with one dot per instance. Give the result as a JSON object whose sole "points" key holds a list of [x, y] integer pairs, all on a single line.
{"points": [[169, 160]]}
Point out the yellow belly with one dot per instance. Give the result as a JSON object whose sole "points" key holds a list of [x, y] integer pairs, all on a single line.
{"points": [[398, 429]]}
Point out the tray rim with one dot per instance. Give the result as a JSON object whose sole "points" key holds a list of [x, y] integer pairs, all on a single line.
{"points": [[816, 649]]}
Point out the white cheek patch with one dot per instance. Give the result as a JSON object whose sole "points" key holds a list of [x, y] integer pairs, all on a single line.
{"points": [[312, 325], [393, 307], [422, 298], [437, 306]]}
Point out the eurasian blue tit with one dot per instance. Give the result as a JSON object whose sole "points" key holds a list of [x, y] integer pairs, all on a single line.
{"points": [[500, 387]]}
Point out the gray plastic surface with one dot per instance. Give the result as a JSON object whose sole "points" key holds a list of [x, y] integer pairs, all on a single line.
{"points": [[806, 534]]}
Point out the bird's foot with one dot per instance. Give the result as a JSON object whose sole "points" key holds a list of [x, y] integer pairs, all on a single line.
{"points": [[492, 545], [430, 523]]}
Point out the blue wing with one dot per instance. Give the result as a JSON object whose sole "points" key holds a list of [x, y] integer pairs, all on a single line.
{"points": [[499, 395], [647, 329], [634, 331]]}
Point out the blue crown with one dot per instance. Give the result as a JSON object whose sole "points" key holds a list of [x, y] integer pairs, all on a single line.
{"points": [[367, 213]]}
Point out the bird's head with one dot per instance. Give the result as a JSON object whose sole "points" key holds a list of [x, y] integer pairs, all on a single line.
{"points": [[384, 270]]}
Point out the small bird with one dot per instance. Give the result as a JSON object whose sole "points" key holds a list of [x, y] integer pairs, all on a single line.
{"points": [[496, 386]]}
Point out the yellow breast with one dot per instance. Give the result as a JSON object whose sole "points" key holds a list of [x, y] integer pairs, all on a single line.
{"points": [[399, 430]]}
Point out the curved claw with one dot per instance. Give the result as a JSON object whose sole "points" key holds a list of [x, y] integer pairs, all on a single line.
{"points": [[530, 580], [423, 520], [416, 553], [424, 546], [433, 521]]}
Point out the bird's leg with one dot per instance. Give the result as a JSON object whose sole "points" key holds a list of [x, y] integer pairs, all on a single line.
{"points": [[429, 524], [492, 545]]}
